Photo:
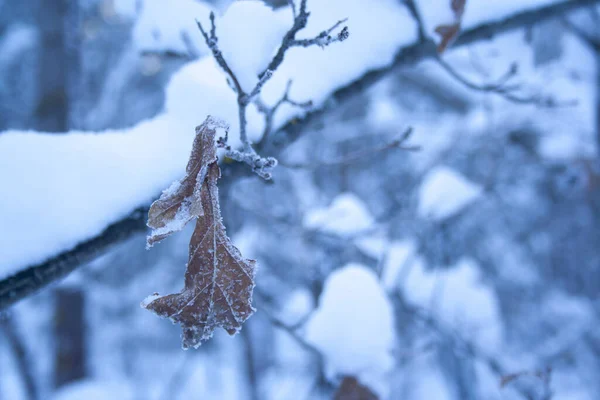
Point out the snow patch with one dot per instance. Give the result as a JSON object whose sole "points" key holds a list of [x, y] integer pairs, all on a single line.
{"points": [[444, 193], [457, 296], [347, 215], [354, 327]]}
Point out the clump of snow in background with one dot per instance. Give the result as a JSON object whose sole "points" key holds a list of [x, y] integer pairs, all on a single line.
{"points": [[373, 244], [354, 327], [444, 193], [170, 29], [347, 215], [457, 296]]}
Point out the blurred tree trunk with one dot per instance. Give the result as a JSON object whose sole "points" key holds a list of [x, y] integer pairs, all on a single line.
{"points": [[58, 23], [69, 336]]}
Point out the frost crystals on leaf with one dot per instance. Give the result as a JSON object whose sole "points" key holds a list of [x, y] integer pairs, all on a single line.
{"points": [[181, 201], [218, 280]]}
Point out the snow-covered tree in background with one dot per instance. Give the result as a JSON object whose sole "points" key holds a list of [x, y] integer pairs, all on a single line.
{"points": [[430, 230]]}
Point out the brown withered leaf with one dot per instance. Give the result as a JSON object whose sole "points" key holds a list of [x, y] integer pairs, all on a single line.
{"points": [[218, 280], [449, 32], [351, 389], [180, 203]]}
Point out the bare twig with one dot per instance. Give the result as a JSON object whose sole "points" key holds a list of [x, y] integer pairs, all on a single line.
{"points": [[398, 143], [292, 331], [269, 112], [263, 166], [459, 342], [544, 375], [324, 38], [289, 40], [178, 378], [293, 7], [503, 89], [414, 12]]}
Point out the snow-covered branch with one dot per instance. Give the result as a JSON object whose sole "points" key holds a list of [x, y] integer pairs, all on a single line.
{"points": [[34, 277]]}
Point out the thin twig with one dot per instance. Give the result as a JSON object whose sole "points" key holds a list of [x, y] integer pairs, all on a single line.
{"points": [[289, 39], [278, 323], [211, 42], [293, 7], [414, 12], [397, 143], [324, 38], [173, 386], [269, 112], [263, 166], [460, 342], [501, 88]]}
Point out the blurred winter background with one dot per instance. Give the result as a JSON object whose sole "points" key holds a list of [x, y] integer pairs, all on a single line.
{"points": [[466, 270]]}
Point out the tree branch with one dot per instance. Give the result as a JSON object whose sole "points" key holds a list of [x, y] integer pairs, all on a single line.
{"points": [[503, 89], [397, 143], [33, 278], [28, 281], [263, 166]]}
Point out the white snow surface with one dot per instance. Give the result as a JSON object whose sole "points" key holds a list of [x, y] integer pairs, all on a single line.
{"points": [[168, 28], [353, 327], [444, 193], [64, 188], [347, 215]]}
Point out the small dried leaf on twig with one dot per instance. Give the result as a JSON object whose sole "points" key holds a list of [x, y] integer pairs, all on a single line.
{"points": [[449, 32], [543, 375], [351, 389]]}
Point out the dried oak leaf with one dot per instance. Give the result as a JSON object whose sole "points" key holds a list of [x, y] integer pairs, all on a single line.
{"points": [[180, 203], [218, 280], [351, 389]]}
